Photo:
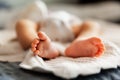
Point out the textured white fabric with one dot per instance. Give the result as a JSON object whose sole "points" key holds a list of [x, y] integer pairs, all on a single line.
{"points": [[68, 68]]}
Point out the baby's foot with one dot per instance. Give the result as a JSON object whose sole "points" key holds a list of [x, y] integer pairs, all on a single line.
{"points": [[43, 47], [92, 47]]}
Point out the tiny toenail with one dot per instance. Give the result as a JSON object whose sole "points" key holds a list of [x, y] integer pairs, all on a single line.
{"points": [[36, 42]]}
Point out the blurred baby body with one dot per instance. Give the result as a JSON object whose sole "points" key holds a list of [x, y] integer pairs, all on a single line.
{"points": [[56, 24]]}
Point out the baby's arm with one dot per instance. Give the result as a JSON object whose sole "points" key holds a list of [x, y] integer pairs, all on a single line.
{"points": [[26, 32]]}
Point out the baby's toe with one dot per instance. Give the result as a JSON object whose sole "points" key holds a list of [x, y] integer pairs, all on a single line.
{"points": [[33, 45], [101, 49], [33, 49], [42, 36], [35, 41], [100, 45], [36, 52], [39, 47]]}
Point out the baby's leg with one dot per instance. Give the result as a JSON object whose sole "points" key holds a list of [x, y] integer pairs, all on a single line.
{"points": [[86, 44], [43, 47], [26, 32]]}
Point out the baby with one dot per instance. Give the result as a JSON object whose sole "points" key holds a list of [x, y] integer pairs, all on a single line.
{"points": [[62, 27]]}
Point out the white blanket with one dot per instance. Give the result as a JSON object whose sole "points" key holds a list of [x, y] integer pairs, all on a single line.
{"points": [[68, 68]]}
